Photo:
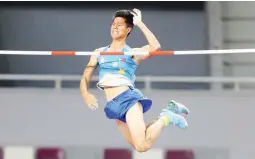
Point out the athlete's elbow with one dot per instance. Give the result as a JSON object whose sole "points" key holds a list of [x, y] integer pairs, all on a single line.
{"points": [[82, 85], [82, 82], [157, 47]]}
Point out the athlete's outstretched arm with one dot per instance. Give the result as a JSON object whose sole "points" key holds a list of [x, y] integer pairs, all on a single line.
{"points": [[89, 99], [153, 43]]}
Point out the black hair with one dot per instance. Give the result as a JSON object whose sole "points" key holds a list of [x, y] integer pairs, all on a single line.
{"points": [[126, 14]]}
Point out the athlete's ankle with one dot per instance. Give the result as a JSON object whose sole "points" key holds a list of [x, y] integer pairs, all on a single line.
{"points": [[165, 119]]}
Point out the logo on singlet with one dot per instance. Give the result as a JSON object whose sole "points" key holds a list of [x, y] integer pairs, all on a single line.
{"points": [[123, 59]]}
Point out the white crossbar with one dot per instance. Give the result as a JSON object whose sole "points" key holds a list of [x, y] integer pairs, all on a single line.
{"points": [[155, 53]]}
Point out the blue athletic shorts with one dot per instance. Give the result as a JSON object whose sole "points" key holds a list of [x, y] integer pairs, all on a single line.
{"points": [[118, 107]]}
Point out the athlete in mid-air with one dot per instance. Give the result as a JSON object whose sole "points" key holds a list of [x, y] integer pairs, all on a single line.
{"points": [[125, 103]]}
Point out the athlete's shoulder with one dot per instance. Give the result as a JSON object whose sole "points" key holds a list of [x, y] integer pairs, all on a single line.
{"points": [[100, 49], [128, 47], [94, 58]]}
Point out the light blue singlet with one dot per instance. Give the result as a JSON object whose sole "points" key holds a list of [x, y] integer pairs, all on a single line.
{"points": [[117, 64], [121, 65]]}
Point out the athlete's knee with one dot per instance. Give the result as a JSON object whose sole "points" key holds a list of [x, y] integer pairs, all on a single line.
{"points": [[142, 146]]}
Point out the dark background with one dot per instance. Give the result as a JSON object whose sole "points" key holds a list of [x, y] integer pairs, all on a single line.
{"points": [[84, 26]]}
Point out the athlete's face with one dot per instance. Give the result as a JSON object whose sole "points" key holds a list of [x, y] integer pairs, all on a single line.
{"points": [[119, 28]]}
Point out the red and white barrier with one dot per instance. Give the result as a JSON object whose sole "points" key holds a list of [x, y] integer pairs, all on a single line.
{"points": [[155, 53]]}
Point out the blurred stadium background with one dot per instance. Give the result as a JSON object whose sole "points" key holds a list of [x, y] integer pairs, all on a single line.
{"points": [[42, 115]]}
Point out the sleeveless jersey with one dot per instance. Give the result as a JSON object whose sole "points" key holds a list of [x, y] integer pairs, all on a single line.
{"points": [[116, 70]]}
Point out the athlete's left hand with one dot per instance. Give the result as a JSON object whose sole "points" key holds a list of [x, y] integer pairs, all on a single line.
{"points": [[137, 19]]}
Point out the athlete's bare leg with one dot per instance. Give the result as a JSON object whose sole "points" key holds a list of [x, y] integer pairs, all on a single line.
{"points": [[143, 137], [125, 131], [123, 127]]}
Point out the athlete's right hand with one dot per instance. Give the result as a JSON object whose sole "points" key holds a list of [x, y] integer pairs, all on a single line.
{"points": [[91, 101]]}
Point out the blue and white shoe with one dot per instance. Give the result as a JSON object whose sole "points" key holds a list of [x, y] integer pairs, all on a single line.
{"points": [[170, 117], [177, 108]]}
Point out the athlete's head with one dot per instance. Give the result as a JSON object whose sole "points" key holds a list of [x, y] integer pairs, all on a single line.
{"points": [[122, 24]]}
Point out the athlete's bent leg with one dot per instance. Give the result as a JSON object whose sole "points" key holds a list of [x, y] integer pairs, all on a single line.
{"points": [[125, 131], [123, 127], [142, 137]]}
